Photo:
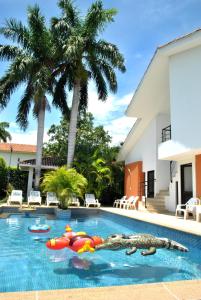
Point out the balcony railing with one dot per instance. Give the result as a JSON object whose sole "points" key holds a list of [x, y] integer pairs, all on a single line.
{"points": [[166, 134]]}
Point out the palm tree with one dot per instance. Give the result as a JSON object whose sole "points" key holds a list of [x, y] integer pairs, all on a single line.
{"points": [[87, 57], [33, 61], [4, 134]]}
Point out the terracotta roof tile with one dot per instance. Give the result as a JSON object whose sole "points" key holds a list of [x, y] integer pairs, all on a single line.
{"points": [[8, 147]]}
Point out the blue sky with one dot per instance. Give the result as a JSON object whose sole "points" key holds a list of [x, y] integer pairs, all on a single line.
{"points": [[140, 26]]}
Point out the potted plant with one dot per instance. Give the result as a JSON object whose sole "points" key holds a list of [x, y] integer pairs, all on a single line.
{"points": [[65, 183]]}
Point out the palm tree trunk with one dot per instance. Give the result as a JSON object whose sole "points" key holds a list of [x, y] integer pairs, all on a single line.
{"points": [[40, 133], [73, 123]]}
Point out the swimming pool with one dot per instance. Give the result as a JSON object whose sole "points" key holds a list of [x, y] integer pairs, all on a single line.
{"points": [[26, 264]]}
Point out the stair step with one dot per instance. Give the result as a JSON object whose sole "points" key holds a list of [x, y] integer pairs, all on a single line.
{"points": [[164, 212], [155, 200]]}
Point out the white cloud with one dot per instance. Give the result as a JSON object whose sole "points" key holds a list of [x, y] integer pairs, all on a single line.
{"points": [[29, 137], [104, 114], [102, 110], [119, 128]]}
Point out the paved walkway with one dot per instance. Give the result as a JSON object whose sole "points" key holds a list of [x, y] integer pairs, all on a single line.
{"points": [[180, 290], [170, 221]]}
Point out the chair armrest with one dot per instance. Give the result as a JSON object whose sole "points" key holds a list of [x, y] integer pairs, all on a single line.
{"points": [[123, 201], [181, 206]]}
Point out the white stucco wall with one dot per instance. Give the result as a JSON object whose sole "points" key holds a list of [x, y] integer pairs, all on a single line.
{"points": [[171, 200], [12, 158], [146, 150], [185, 93]]}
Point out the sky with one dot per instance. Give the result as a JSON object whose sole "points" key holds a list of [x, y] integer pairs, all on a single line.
{"points": [[140, 26]]}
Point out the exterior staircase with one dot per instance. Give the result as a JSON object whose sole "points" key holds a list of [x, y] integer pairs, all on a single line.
{"points": [[157, 204]]}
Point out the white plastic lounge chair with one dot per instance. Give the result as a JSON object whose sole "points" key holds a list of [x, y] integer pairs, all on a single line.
{"points": [[131, 202], [51, 199], [75, 201], [117, 201], [189, 207], [15, 197], [90, 200], [34, 197]]}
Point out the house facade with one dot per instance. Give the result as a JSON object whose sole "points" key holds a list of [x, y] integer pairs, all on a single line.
{"points": [[162, 152], [13, 153]]}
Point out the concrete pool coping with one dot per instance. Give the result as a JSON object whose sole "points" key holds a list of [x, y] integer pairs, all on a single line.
{"points": [[177, 290], [169, 221]]}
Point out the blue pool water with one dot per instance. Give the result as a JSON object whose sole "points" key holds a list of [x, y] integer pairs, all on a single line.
{"points": [[26, 264]]}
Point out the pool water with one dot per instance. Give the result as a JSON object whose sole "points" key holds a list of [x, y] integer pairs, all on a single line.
{"points": [[26, 264]]}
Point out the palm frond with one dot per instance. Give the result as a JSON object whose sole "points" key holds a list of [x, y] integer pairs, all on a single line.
{"points": [[70, 12], [16, 31], [99, 80], [24, 106], [111, 53], [17, 73], [7, 87], [109, 73], [40, 38], [59, 96], [8, 52], [4, 134], [60, 27], [97, 18]]}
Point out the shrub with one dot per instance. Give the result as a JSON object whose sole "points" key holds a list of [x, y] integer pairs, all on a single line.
{"points": [[65, 184], [3, 177], [18, 179]]}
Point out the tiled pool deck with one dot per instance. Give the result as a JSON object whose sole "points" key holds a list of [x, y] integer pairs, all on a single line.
{"points": [[179, 290]]}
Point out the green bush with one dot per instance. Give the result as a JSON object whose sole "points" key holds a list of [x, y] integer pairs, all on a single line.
{"points": [[3, 177], [65, 184], [18, 179]]}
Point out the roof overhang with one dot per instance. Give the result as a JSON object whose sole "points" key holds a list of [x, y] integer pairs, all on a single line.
{"points": [[152, 94], [27, 167]]}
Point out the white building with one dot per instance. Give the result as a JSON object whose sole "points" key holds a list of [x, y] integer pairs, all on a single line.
{"points": [[163, 150], [13, 153]]}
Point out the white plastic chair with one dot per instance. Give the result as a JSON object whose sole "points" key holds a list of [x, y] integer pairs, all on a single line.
{"points": [[90, 200], [51, 199], [117, 201], [131, 202], [124, 203], [34, 197], [75, 201], [15, 197], [189, 207]]}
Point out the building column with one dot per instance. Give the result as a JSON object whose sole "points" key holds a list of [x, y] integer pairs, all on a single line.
{"points": [[133, 178], [30, 181]]}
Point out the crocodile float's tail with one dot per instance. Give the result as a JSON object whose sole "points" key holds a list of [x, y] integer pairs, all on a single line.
{"points": [[170, 244]]}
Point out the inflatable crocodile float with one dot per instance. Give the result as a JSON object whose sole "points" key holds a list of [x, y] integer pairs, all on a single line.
{"points": [[139, 241]]}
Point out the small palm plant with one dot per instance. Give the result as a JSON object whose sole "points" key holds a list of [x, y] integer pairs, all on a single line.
{"points": [[102, 175], [65, 184]]}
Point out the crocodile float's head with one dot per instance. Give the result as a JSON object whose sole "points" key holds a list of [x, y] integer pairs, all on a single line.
{"points": [[113, 242]]}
